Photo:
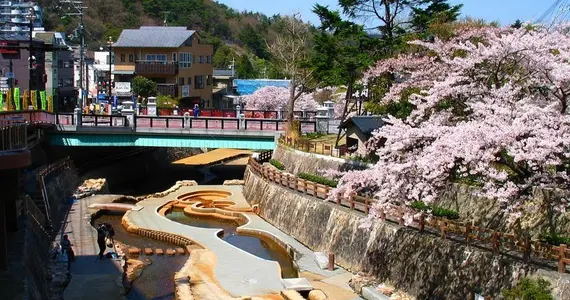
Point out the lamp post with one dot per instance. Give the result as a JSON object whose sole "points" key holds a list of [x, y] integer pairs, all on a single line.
{"points": [[110, 43], [32, 17]]}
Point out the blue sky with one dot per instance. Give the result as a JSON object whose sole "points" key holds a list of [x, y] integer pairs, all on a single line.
{"points": [[504, 11]]}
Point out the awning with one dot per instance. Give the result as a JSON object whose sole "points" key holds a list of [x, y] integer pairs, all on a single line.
{"points": [[120, 72]]}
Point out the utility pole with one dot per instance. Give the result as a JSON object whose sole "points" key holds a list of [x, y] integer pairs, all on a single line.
{"points": [[110, 43], [31, 53], [233, 67], [77, 6]]}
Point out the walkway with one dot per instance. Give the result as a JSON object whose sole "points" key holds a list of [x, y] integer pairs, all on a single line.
{"points": [[237, 271], [213, 157], [90, 278]]}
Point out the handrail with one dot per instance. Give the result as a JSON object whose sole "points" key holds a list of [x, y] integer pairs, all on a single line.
{"points": [[495, 240], [13, 135], [315, 147]]}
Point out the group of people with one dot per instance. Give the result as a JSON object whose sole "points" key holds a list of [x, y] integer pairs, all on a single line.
{"points": [[104, 232]]}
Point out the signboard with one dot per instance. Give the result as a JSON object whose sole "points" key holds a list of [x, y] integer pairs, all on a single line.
{"points": [[185, 91], [123, 89], [115, 100], [101, 97], [10, 74]]}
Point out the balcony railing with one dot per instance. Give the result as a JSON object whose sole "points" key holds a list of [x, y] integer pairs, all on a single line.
{"points": [[167, 89], [13, 135], [155, 67]]}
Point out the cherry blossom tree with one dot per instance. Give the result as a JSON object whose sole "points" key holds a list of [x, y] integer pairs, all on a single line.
{"points": [[491, 111], [276, 98]]}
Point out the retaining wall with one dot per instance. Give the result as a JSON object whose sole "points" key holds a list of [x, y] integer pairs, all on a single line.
{"points": [[423, 265]]}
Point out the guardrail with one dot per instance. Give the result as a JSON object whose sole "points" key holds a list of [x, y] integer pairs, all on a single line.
{"points": [[13, 135], [498, 242]]}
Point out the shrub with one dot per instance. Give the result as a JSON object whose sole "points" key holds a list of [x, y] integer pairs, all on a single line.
{"points": [[277, 164], [318, 179], [529, 289], [554, 239], [436, 210]]}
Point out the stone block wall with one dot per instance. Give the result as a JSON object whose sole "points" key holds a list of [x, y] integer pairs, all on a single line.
{"points": [[296, 161], [423, 265]]}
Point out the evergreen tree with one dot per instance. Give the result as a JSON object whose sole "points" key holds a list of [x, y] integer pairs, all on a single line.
{"points": [[427, 12], [244, 68]]}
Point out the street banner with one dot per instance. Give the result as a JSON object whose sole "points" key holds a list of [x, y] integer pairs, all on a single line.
{"points": [[8, 100], [43, 100], [50, 103], [1, 102], [25, 100], [34, 99], [115, 100], [17, 98]]}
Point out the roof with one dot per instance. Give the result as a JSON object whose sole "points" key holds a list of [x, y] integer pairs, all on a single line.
{"points": [[228, 73], [154, 37], [47, 37], [365, 124], [17, 37]]}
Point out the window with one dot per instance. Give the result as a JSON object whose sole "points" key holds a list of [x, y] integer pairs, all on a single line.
{"points": [[181, 80], [199, 82], [152, 58], [185, 60], [173, 56], [201, 60], [67, 82], [60, 83], [122, 58], [131, 58], [189, 80], [209, 81], [208, 60], [60, 63], [68, 64]]}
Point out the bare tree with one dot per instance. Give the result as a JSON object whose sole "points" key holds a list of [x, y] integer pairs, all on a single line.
{"points": [[290, 52], [389, 13]]}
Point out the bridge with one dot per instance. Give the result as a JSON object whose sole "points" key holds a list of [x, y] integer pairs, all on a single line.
{"points": [[76, 129]]}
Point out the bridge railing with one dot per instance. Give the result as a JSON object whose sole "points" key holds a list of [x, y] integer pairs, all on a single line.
{"points": [[13, 134]]}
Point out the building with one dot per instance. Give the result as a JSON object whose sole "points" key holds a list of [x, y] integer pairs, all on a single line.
{"points": [[14, 16], [96, 76], [14, 51], [59, 70], [359, 129], [173, 57], [223, 90]]}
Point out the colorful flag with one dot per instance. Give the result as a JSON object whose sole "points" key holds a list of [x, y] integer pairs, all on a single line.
{"points": [[34, 99], [43, 100], [1, 102], [17, 98], [50, 103]]}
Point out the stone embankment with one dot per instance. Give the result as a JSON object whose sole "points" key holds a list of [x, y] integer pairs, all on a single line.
{"points": [[91, 187], [296, 161], [424, 265]]}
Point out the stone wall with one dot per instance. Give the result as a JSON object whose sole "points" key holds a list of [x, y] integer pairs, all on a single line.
{"points": [[539, 216], [423, 265], [296, 161]]}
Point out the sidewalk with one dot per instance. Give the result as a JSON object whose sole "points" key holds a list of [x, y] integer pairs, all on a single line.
{"points": [[90, 278]]}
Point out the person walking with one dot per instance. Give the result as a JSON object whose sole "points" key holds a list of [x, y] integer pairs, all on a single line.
{"points": [[101, 242], [196, 110], [66, 247]]}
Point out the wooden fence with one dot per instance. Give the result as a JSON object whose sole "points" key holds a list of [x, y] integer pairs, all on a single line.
{"points": [[498, 241], [316, 147]]}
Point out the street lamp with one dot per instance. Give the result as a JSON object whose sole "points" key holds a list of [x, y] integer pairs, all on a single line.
{"points": [[110, 43], [32, 17]]}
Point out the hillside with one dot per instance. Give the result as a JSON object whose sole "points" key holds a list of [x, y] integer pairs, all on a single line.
{"points": [[219, 24]]}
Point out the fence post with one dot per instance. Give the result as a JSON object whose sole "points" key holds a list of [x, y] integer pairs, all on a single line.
{"points": [[351, 199], [442, 227], [401, 218], [496, 242], [561, 258], [467, 232], [422, 222], [527, 248]]}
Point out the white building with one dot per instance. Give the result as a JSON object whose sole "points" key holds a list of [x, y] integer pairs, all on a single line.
{"points": [[14, 16], [97, 64]]}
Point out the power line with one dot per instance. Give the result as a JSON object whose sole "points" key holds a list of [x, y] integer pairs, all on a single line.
{"points": [[549, 11]]}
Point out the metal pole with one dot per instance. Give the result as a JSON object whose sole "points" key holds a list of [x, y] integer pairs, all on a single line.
{"points": [[31, 49], [110, 64], [86, 81], [81, 57]]}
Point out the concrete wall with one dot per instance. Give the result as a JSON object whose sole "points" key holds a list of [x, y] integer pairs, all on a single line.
{"points": [[423, 265], [296, 161]]}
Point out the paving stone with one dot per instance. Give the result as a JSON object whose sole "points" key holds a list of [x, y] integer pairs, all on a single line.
{"points": [[180, 251], [297, 284], [158, 251], [134, 251], [148, 251], [170, 252]]}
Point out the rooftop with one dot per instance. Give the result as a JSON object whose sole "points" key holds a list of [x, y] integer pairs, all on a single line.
{"points": [[154, 37], [366, 124]]}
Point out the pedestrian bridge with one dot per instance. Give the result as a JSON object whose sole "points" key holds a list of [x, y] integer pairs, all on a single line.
{"points": [[77, 130]]}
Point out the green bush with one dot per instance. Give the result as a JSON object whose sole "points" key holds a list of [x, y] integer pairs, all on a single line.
{"points": [[318, 179], [312, 135], [554, 239], [277, 164], [529, 289], [436, 210]]}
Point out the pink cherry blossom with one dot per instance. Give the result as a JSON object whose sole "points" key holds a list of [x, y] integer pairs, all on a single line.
{"points": [[492, 108], [275, 98]]}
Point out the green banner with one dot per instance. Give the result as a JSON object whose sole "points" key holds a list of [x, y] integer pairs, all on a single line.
{"points": [[43, 98], [1, 102], [17, 98]]}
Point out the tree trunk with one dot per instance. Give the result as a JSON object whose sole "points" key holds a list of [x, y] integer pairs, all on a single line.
{"points": [[290, 109]]}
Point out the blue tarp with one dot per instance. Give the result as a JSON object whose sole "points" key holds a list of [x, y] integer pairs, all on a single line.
{"points": [[249, 86]]}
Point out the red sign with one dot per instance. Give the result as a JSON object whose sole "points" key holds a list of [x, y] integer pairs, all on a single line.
{"points": [[8, 47]]}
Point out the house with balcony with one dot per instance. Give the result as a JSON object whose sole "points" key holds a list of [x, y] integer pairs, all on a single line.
{"points": [[174, 57]]}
